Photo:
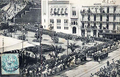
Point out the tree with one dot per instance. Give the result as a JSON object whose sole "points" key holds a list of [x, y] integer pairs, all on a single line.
{"points": [[51, 27], [73, 46], [57, 49], [55, 38]]}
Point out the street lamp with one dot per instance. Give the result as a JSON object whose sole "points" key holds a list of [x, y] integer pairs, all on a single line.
{"points": [[22, 54], [67, 43], [40, 45], [22, 35]]}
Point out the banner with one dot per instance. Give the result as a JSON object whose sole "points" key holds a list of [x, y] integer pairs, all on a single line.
{"points": [[9, 64]]}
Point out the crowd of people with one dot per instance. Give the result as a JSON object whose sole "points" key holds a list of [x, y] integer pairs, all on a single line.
{"points": [[98, 54], [55, 64], [111, 70], [36, 65]]}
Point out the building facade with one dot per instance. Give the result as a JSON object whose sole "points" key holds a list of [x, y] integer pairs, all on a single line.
{"points": [[60, 14], [94, 20], [99, 19]]}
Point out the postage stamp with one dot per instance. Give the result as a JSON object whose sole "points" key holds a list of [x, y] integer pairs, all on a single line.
{"points": [[10, 64]]}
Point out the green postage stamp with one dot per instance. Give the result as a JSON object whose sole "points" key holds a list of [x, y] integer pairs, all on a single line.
{"points": [[10, 64]]}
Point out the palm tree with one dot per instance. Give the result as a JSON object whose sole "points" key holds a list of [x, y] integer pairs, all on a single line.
{"points": [[73, 46], [57, 49], [55, 38]]}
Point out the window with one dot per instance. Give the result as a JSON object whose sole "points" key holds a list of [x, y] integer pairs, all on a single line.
{"points": [[114, 26], [74, 30], [82, 25], [100, 17], [100, 26], [107, 25], [94, 32], [114, 17], [107, 9], [66, 21], [94, 17], [107, 18], [58, 21], [66, 11], [66, 28], [73, 13], [58, 27], [83, 32], [55, 13], [51, 21], [51, 12], [88, 17], [58, 12], [89, 10], [74, 23], [62, 11], [114, 8]]}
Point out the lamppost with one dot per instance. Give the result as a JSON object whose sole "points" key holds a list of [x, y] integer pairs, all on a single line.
{"points": [[40, 30], [67, 43], [23, 37]]}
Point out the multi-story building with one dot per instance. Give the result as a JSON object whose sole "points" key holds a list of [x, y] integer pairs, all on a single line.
{"points": [[99, 19], [90, 21], [60, 14]]}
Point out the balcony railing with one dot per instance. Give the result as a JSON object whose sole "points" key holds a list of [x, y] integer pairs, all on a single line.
{"points": [[99, 13], [106, 30], [89, 28], [104, 22], [113, 31]]}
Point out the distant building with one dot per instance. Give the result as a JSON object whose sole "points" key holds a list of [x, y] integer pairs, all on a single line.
{"points": [[61, 14], [32, 13], [98, 20]]}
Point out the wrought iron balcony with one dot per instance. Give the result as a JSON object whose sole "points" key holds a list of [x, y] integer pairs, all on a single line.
{"points": [[98, 13], [103, 22]]}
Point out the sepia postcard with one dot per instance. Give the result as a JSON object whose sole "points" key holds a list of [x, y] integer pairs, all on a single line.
{"points": [[59, 38]]}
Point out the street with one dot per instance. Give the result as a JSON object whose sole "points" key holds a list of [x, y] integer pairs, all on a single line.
{"points": [[91, 67]]}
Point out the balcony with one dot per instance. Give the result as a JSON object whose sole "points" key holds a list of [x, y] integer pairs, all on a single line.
{"points": [[106, 31], [113, 31], [104, 22], [89, 28], [98, 13]]}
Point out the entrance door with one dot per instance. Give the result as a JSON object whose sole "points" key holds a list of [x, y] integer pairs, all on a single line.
{"points": [[74, 30], [94, 32]]}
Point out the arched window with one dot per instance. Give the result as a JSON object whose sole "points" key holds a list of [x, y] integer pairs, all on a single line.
{"points": [[74, 22], [58, 11], [74, 30], [54, 11], [62, 11], [66, 11], [51, 12]]}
